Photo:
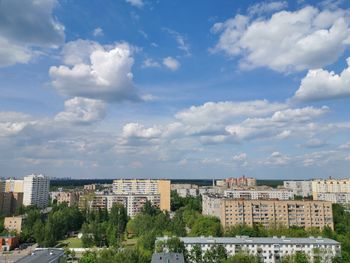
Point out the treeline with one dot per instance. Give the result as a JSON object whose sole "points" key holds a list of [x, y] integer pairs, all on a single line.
{"points": [[47, 229]]}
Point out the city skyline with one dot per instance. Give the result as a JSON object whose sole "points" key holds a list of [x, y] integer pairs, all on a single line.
{"points": [[162, 89]]}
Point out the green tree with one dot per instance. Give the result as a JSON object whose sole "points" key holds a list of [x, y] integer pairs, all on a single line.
{"points": [[206, 226], [242, 258]]}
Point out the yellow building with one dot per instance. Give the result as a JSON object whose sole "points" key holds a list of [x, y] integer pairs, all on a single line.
{"points": [[15, 186], [330, 186], [145, 187], [13, 223], [268, 213]]}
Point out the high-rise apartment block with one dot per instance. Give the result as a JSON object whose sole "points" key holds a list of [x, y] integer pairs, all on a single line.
{"points": [[244, 182], [278, 194], [9, 202], [300, 188], [145, 187], [330, 189], [13, 185], [269, 213], [36, 190]]}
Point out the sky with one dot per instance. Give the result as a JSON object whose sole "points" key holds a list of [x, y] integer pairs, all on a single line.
{"points": [[175, 89]]}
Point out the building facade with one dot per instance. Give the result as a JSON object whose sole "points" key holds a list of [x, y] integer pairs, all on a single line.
{"points": [[13, 185], [36, 190], [335, 198], [259, 194], [9, 202], [145, 187], [269, 213], [13, 223], [71, 198], [133, 203], [243, 181], [300, 188], [269, 250], [330, 186]]}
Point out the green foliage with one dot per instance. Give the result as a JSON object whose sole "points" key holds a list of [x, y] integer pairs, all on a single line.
{"points": [[298, 257], [192, 203], [206, 226], [115, 256], [242, 258]]}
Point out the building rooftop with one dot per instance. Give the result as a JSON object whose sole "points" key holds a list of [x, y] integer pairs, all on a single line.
{"points": [[42, 256], [256, 240], [167, 258]]}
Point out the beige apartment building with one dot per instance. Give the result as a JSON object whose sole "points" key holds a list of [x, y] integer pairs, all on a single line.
{"points": [[330, 186], [13, 223], [12, 185], [145, 187], [71, 198], [269, 213]]}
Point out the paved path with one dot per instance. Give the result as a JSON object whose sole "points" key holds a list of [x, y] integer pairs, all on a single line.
{"points": [[15, 255]]}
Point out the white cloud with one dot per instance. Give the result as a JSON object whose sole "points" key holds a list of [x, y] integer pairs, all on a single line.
{"points": [[180, 40], [98, 32], [96, 72], [321, 84], [136, 3], [136, 131], [26, 26], [82, 110], [171, 63], [287, 41], [219, 112], [150, 63], [267, 7]]}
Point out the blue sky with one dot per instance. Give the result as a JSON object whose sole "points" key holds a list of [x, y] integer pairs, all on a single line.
{"points": [[174, 89]]}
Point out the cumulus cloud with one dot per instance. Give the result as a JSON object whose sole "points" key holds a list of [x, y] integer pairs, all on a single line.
{"points": [[136, 3], [287, 41], [171, 63], [321, 84], [82, 110], [97, 72], [25, 26], [218, 112]]}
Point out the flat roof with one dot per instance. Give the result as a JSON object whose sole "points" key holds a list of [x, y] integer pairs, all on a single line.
{"points": [[256, 240], [42, 256]]}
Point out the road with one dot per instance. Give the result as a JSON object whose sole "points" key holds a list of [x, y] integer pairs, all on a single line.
{"points": [[13, 256]]}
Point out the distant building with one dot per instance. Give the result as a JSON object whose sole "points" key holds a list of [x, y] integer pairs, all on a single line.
{"points": [[185, 190], [237, 182], [13, 185], [145, 187], [268, 249], [71, 197], [36, 190], [9, 202], [44, 255], [277, 194], [13, 223], [133, 202], [168, 258], [335, 198], [268, 213], [90, 187], [8, 243], [324, 188], [299, 188]]}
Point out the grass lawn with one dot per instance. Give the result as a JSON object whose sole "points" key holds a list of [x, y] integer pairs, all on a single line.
{"points": [[72, 242]]}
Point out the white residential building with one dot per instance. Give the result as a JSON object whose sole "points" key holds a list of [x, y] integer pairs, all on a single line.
{"points": [[277, 194], [300, 188], [335, 198], [36, 190], [269, 249]]}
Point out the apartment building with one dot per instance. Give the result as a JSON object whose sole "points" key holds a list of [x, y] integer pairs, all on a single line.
{"points": [[185, 190], [243, 181], [330, 186], [145, 187], [9, 202], [133, 203], [268, 249], [13, 223], [269, 213], [335, 198], [277, 194], [36, 190], [300, 188], [13, 185], [71, 198]]}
